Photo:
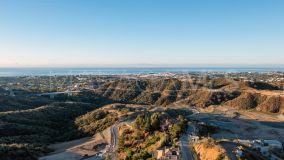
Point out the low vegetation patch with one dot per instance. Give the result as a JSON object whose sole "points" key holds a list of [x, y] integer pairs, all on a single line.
{"points": [[95, 121], [149, 132]]}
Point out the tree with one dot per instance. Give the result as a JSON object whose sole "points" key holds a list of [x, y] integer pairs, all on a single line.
{"points": [[147, 124], [155, 121], [175, 131], [138, 123], [129, 154], [178, 128], [142, 123]]}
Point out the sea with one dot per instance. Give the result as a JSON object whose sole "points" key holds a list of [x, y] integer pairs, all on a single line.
{"points": [[10, 72]]}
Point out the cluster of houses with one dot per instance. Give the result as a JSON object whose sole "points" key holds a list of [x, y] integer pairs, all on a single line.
{"points": [[264, 147], [167, 153], [172, 153]]}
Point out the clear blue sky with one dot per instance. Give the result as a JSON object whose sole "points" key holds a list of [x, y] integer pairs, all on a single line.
{"points": [[161, 32]]}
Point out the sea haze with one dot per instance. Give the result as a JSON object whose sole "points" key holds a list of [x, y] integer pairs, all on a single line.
{"points": [[8, 72]]}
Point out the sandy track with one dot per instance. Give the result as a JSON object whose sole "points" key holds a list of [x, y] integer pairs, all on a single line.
{"points": [[76, 149]]}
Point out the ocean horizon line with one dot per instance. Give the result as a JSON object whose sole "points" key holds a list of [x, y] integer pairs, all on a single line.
{"points": [[8, 72]]}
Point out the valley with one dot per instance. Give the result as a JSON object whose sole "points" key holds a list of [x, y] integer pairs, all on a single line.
{"points": [[140, 116]]}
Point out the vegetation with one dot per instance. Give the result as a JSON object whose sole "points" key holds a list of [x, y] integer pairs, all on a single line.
{"points": [[26, 133], [263, 86], [95, 121], [146, 135], [28, 123], [21, 151], [178, 128], [9, 103], [244, 101], [210, 149]]}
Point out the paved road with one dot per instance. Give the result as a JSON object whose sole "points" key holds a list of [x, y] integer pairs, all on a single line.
{"points": [[112, 152], [186, 151], [113, 144]]}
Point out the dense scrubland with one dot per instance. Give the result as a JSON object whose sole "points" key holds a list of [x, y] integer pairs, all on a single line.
{"points": [[27, 132]]}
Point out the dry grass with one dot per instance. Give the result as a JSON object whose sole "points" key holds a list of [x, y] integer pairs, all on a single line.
{"points": [[208, 149]]}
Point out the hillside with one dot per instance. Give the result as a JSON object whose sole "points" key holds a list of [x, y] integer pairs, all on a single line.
{"points": [[25, 133], [208, 149], [163, 92], [29, 123], [261, 96], [166, 92], [258, 101]]}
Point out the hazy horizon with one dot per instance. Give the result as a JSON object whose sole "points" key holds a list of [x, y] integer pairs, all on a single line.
{"points": [[152, 66], [141, 33]]}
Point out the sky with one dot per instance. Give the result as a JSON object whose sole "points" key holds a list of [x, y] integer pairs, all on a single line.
{"points": [[35, 33]]}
